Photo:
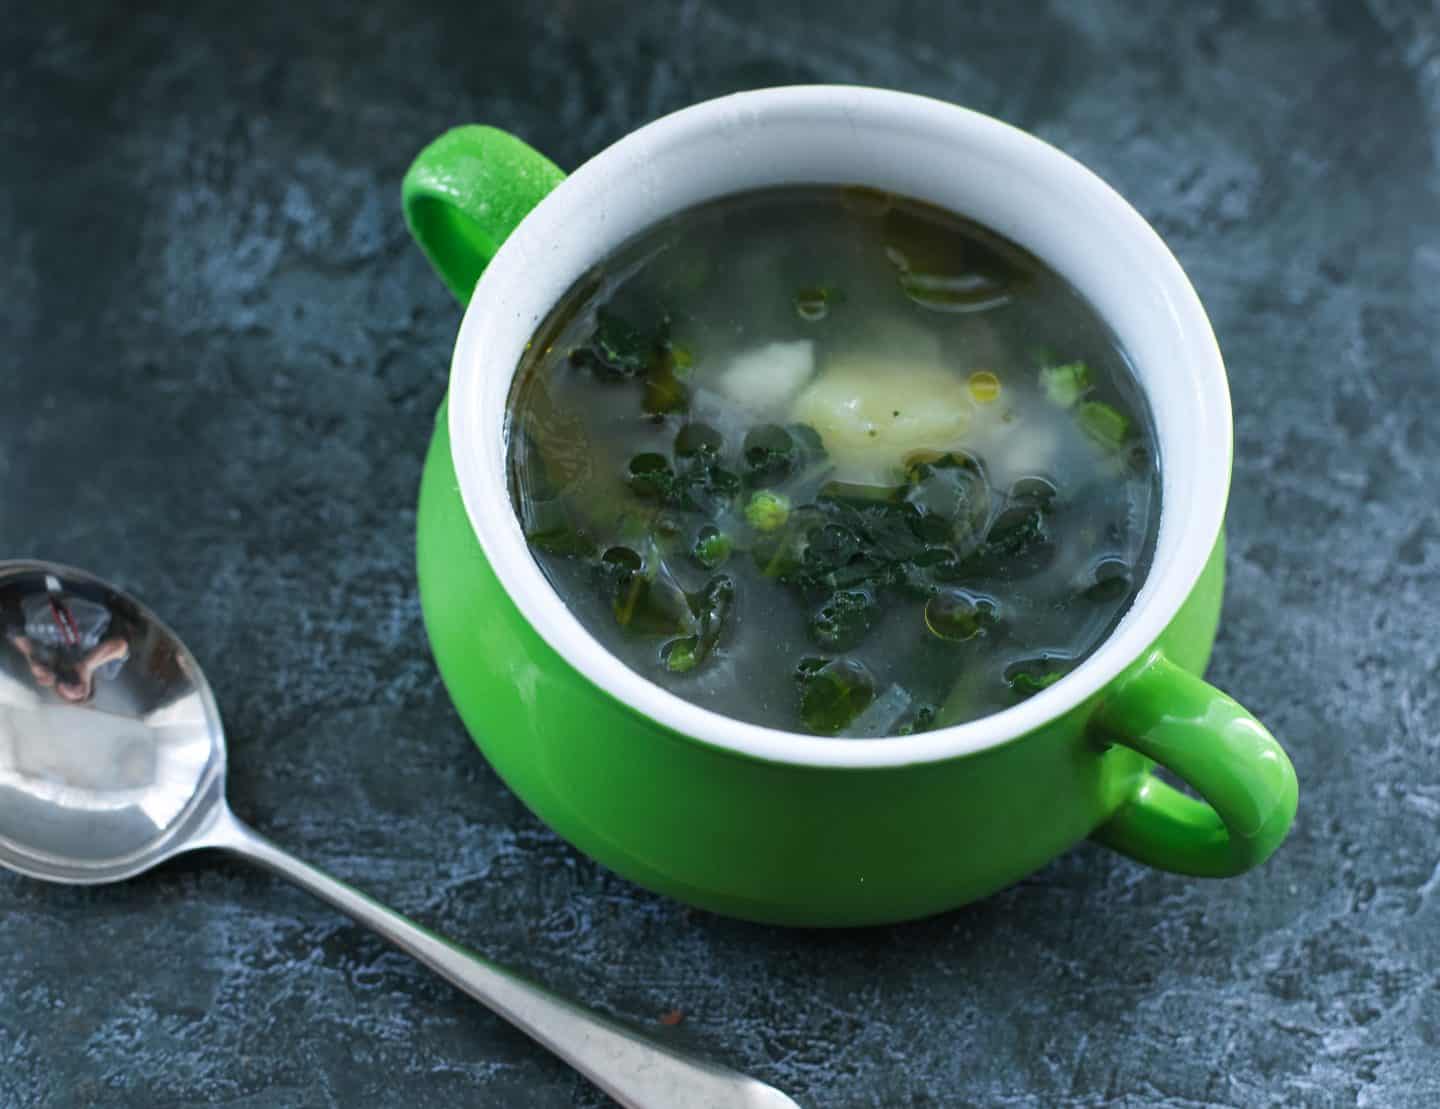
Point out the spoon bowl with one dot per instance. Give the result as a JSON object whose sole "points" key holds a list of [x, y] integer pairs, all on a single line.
{"points": [[112, 760], [118, 772]]}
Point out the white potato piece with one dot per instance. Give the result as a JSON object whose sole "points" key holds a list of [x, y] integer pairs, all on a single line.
{"points": [[1025, 450], [873, 410], [766, 378]]}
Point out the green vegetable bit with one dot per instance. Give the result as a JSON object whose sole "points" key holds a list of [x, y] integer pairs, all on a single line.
{"points": [[844, 619], [1111, 581], [920, 720], [1030, 676], [1017, 545], [697, 483], [957, 615], [680, 656], [711, 607], [712, 547], [1106, 426], [617, 349], [682, 361], [767, 511], [951, 496], [1038, 491], [833, 693], [664, 391], [962, 292], [650, 475], [697, 438], [812, 304], [1064, 385], [624, 347], [770, 454], [644, 599]]}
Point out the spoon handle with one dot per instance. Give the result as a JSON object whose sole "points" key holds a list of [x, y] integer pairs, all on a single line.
{"points": [[634, 1070]]}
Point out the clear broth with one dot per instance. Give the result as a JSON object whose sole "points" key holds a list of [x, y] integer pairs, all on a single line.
{"points": [[1046, 547]]}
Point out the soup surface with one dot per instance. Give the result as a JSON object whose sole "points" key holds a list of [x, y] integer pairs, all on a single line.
{"points": [[834, 461]]}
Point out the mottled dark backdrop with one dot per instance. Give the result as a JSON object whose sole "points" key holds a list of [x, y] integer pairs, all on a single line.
{"points": [[219, 362]]}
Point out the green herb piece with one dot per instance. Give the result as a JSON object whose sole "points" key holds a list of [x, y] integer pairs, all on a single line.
{"points": [[780, 554], [869, 539], [664, 391], [617, 349], [645, 599], [962, 292], [770, 454], [1106, 426], [920, 720], [722, 483], [650, 475], [767, 510], [712, 547], [1017, 545], [682, 361], [833, 693], [950, 496], [851, 492], [957, 615], [831, 546], [1111, 581], [1016, 531], [939, 273], [812, 304], [697, 439], [697, 483], [1064, 385], [621, 580], [844, 619], [1038, 491], [621, 561], [1030, 676], [680, 656], [712, 607], [624, 347]]}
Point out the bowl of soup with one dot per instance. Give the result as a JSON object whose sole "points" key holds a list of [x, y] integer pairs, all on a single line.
{"points": [[825, 522]]}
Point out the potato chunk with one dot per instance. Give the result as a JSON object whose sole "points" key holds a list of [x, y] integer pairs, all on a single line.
{"points": [[872, 411]]}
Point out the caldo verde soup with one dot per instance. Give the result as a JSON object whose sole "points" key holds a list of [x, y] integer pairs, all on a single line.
{"points": [[834, 461]]}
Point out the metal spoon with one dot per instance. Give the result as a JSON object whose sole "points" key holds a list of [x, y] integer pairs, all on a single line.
{"points": [[112, 760]]}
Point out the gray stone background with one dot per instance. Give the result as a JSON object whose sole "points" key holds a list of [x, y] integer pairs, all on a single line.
{"points": [[219, 362]]}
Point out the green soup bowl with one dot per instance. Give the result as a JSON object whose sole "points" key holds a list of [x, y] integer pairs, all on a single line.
{"points": [[795, 829]]}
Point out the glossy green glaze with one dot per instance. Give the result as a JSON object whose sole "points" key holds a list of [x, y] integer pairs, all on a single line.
{"points": [[466, 192], [795, 844], [1212, 743]]}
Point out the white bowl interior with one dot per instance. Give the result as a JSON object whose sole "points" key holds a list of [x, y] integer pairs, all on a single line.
{"points": [[922, 148]]}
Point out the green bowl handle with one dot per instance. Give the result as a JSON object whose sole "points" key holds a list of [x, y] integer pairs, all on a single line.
{"points": [[465, 193], [1217, 748]]}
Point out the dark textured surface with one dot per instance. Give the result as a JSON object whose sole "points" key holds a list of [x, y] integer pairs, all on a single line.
{"points": [[219, 360]]}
